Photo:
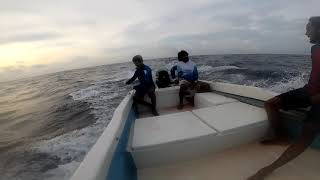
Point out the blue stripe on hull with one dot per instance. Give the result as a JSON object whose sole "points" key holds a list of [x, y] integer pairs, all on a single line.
{"points": [[122, 165]]}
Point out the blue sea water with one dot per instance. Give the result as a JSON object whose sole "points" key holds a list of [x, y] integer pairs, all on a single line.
{"points": [[48, 123]]}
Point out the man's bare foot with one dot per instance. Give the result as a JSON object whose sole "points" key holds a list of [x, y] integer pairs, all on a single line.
{"points": [[190, 100], [180, 106], [261, 174], [282, 141], [155, 112]]}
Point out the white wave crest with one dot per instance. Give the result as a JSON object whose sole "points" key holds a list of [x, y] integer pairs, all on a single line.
{"points": [[169, 65], [292, 83], [205, 68], [122, 75], [85, 93], [70, 148]]}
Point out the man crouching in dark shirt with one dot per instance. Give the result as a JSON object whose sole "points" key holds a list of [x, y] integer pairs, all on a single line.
{"points": [[146, 86]]}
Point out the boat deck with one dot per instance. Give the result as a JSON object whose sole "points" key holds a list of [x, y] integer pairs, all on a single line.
{"points": [[167, 110], [238, 164]]}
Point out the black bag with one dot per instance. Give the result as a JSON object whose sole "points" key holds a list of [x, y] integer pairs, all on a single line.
{"points": [[163, 79]]}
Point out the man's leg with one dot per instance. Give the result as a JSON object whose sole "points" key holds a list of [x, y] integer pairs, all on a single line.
{"points": [[293, 151], [272, 108], [190, 93], [153, 98], [139, 100], [183, 88], [191, 100]]}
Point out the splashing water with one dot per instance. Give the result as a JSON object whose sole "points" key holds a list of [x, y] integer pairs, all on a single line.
{"points": [[49, 123]]}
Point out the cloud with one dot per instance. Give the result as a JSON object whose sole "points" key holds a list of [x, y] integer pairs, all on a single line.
{"points": [[37, 66], [80, 33], [31, 37], [228, 27]]}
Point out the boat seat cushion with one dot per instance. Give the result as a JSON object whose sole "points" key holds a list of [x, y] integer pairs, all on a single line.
{"points": [[232, 116], [178, 127], [211, 99]]}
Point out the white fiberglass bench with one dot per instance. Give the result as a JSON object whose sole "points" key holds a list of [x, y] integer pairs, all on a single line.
{"points": [[202, 100], [186, 135]]}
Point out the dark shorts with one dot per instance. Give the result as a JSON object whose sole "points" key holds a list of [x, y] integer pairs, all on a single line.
{"points": [[141, 91], [299, 98], [190, 90]]}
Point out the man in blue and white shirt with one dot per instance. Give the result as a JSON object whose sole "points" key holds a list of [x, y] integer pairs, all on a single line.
{"points": [[187, 76]]}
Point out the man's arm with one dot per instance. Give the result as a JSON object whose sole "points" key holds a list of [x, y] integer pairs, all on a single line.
{"points": [[173, 71], [134, 77], [180, 73]]}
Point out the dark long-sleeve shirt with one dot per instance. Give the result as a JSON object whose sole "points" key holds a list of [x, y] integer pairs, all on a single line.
{"points": [[144, 74]]}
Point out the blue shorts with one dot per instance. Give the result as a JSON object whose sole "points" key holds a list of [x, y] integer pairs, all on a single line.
{"points": [[141, 91]]}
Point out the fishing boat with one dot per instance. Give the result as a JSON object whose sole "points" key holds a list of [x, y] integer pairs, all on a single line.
{"points": [[215, 139]]}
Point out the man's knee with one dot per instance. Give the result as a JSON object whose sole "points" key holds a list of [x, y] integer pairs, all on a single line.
{"points": [[137, 98], [183, 86], [152, 94], [273, 103]]}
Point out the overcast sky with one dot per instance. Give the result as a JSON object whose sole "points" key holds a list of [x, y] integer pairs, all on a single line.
{"points": [[42, 36]]}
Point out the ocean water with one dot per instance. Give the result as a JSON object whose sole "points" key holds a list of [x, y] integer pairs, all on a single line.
{"points": [[48, 123]]}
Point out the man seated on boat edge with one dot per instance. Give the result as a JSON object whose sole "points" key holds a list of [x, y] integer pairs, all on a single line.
{"points": [[307, 96], [146, 86], [187, 77], [201, 86]]}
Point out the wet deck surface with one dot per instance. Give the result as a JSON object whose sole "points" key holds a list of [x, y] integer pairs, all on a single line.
{"points": [[238, 164]]}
